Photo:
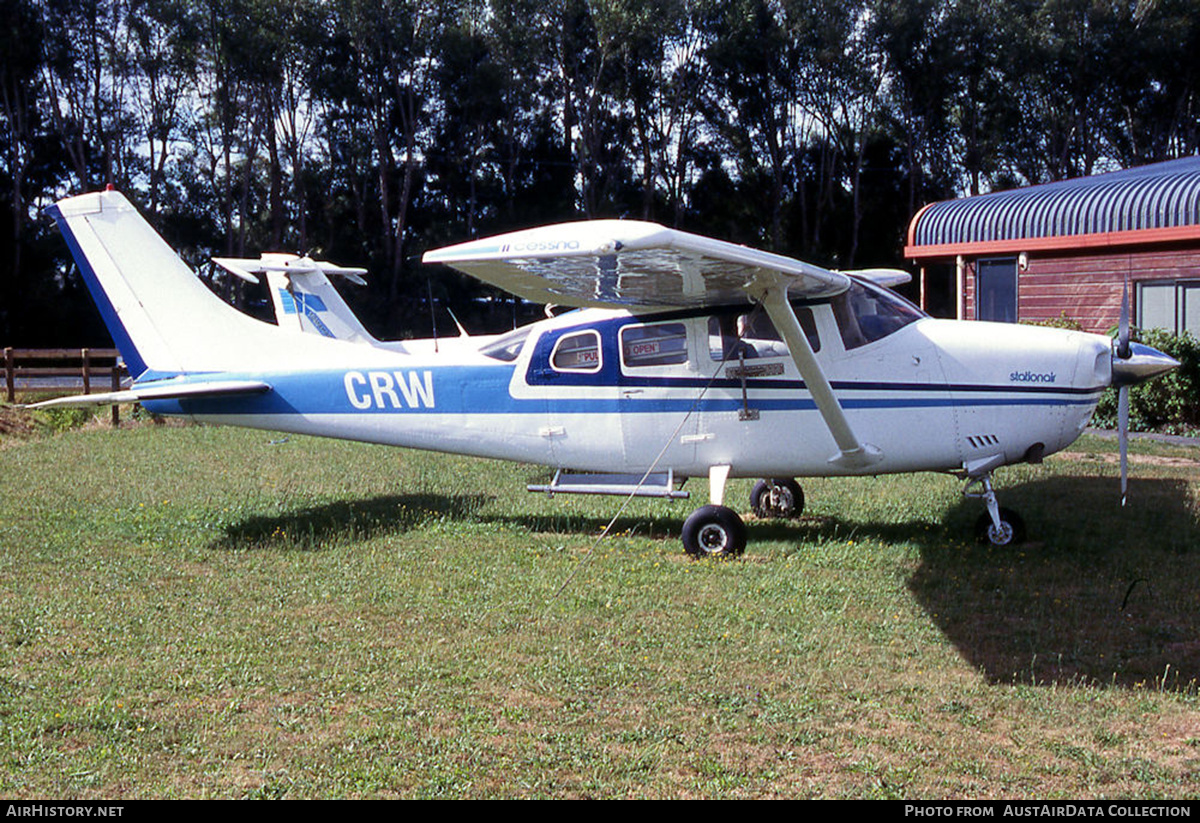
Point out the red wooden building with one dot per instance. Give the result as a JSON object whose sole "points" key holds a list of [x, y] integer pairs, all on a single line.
{"points": [[1065, 248]]}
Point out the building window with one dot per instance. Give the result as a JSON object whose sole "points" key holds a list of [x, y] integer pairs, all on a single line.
{"points": [[996, 290], [1173, 305]]}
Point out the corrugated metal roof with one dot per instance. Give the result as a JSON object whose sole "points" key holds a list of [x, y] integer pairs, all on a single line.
{"points": [[1156, 197]]}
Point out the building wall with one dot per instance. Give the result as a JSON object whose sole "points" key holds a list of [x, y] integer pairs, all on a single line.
{"points": [[1087, 287]]}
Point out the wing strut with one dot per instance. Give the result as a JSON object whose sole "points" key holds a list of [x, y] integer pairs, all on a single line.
{"points": [[853, 453]]}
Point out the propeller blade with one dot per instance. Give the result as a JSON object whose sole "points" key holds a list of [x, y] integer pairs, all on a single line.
{"points": [[1123, 326], [1123, 437]]}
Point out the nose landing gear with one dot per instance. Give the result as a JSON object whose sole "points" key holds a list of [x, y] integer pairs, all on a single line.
{"points": [[777, 497], [998, 526]]}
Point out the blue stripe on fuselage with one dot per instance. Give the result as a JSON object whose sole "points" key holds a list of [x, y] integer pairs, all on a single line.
{"points": [[485, 390]]}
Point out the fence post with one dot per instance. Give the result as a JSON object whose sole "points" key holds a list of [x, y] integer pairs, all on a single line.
{"points": [[116, 386], [8, 375], [87, 379]]}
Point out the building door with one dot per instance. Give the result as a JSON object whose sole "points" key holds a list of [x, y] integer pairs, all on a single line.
{"points": [[996, 290]]}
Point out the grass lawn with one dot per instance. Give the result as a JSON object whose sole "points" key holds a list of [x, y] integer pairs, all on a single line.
{"points": [[208, 612]]}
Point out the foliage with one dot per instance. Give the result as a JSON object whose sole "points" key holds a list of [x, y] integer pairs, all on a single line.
{"points": [[369, 131], [1168, 404], [58, 420], [1060, 322]]}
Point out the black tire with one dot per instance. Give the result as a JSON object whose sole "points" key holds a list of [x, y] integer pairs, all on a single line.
{"points": [[1012, 529], [714, 531], [789, 502]]}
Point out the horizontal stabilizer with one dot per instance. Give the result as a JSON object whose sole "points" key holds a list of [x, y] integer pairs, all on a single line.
{"points": [[246, 268], [172, 391]]}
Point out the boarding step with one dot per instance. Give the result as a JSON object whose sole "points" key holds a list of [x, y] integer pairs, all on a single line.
{"points": [[656, 484]]}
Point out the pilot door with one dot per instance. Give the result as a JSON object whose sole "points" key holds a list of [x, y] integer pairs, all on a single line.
{"points": [[660, 391], [755, 383]]}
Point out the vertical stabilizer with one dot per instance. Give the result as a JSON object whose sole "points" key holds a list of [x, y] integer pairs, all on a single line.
{"points": [[160, 315], [306, 300]]}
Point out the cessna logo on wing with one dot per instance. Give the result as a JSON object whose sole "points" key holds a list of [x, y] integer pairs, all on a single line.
{"points": [[389, 390], [541, 245]]}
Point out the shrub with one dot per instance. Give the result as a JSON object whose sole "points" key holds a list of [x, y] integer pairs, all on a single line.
{"points": [[1170, 403], [1060, 322], [58, 420]]}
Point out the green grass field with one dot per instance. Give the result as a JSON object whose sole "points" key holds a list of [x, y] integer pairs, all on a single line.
{"points": [[206, 612]]}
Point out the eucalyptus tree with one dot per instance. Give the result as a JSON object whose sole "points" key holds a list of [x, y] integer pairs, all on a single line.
{"points": [[1157, 92], [164, 41], [752, 102], [86, 86]]}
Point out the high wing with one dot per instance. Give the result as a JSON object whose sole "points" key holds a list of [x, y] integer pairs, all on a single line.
{"points": [[647, 267], [628, 264]]}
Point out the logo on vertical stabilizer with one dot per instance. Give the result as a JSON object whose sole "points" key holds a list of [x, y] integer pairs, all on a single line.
{"points": [[306, 304]]}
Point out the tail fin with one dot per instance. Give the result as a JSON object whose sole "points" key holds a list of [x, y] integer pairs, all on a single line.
{"points": [[161, 316]]}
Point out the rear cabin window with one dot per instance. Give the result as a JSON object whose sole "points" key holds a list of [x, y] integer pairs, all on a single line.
{"points": [[663, 344], [731, 336], [506, 347], [577, 353]]}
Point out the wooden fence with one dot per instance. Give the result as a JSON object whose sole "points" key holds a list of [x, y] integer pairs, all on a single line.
{"points": [[59, 371]]}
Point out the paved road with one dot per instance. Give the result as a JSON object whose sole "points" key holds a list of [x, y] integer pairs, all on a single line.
{"points": [[1173, 439]]}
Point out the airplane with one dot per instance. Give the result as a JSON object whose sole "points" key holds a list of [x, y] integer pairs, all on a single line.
{"points": [[686, 357]]}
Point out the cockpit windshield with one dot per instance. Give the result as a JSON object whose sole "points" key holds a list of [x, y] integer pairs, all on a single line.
{"points": [[866, 313], [507, 347]]}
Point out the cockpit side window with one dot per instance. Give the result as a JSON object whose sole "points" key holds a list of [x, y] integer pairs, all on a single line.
{"points": [[752, 334], [577, 353], [866, 313]]}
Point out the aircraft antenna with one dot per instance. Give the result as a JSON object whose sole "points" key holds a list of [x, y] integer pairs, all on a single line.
{"points": [[432, 313]]}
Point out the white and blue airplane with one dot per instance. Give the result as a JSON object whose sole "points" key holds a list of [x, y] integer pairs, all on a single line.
{"points": [[689, 357]]}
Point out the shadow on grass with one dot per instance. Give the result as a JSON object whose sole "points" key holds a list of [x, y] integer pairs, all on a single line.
{"points": [[1097, 595], [318, 527]]}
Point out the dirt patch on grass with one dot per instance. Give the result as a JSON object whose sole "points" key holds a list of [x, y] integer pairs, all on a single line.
{"points": [[1142, 459], [15, 423]]}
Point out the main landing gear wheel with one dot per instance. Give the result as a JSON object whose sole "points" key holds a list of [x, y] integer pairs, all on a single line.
{"points": [[1011, 531], [777, 498], [714, 531]]}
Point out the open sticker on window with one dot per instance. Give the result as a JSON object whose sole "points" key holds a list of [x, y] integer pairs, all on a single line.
{"points": [[664, 344]]}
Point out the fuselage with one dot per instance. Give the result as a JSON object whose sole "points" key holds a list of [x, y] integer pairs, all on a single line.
{"points": [[606, 390]]}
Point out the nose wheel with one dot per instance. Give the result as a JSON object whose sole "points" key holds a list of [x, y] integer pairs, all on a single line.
{"points": [[997, 526], [777, 497]]}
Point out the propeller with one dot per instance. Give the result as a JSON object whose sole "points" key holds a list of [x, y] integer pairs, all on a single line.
{"points": [[1123, 352], [1132, 363]]}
